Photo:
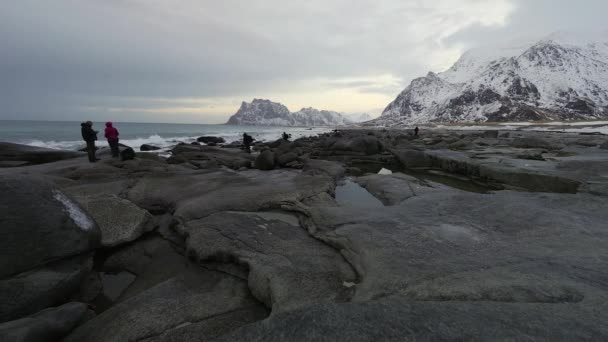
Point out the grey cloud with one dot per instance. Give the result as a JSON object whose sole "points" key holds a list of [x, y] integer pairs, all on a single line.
{"points": [[60, 56]]}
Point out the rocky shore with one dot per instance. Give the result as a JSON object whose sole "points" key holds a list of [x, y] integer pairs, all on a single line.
{"points": [[354, 236]]}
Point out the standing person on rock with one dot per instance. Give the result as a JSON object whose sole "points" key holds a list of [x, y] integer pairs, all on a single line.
{"points": [[89, 136], [111, 133], [247, 140], [416, 130]]}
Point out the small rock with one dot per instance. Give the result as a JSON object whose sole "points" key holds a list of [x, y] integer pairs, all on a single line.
{"points": [[265, 161], [127, 154], [146, 147], [208, 139]]}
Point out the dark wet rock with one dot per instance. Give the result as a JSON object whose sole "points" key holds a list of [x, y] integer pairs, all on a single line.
{"points": [[490, 134], [265, 161], [13, 163], [147, 147], [53, 284], [10, 152], [119, 220], [152, 260], [90, 287], [195, 143], [231, 158], [288, 268], [47, 325], [521, 174], [206, 164], [592, 141], [181, 306], [127, 154], [40, 223], [213, 140]]}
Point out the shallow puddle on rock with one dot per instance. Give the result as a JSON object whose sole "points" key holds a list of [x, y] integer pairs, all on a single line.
{"points": [[115, 284], [351, 194]]}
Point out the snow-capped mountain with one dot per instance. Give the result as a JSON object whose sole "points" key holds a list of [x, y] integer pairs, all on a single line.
{"points": [[357, 118], [555, 78], [267, 113]]}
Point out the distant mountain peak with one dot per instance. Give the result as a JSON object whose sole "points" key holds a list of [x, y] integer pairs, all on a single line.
{"points": [[262, 112], [553, 78]]}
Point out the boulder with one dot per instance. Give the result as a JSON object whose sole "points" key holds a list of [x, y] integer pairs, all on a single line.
{"points": [[40, 223], [119, 220], [10, 152], [363, 144], [209, 139], [265, 161], [127, 154], [47, 325], [286, 158], [146, 147], [50, 285], [196, 143]]}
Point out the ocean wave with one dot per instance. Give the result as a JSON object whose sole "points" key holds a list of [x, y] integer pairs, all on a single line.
{"points": [[166, 143]]}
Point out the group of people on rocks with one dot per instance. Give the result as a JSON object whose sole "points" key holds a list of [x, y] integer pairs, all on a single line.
{"points": [[89, 135]]}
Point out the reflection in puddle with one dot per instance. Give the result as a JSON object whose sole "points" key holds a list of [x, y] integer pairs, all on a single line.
{"points": [[351, 194]]}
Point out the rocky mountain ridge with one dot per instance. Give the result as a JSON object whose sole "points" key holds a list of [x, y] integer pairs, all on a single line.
{"points": [[267, 113], [553, 79]]}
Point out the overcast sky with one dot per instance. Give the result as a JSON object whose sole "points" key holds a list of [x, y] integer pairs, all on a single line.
{"points": [[196, 60]]}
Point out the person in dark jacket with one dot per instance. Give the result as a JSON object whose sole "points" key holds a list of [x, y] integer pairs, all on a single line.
{"points": [[111, 133], [89, 136], [247, 140], [416, 130], [286, 136]]}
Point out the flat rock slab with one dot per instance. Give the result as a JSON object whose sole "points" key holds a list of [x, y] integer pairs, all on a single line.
{"points": [[48, 325], [183, 302], [51, 285], [119, 220], [471, 247], [34, 155], [288, 268], [397, 319], [394, 188], [191, 197]]}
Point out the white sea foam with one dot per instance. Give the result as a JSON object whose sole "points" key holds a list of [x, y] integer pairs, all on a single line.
{"points": [[80, 218], [164, 142]]}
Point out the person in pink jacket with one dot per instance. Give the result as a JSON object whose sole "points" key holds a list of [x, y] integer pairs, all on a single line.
{"points": [[111, 134]]}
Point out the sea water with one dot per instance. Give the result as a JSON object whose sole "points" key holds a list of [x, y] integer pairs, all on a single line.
{"points": [[66, 135]]}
